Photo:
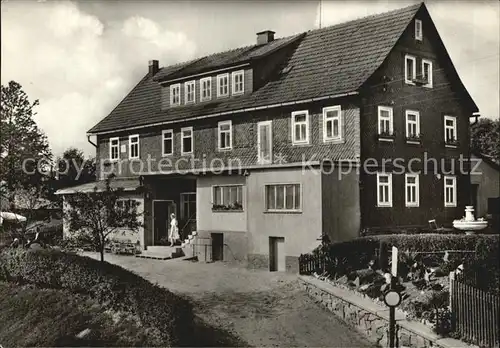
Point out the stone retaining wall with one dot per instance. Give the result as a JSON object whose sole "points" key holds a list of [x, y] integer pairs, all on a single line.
{"points": [[372, 319]]}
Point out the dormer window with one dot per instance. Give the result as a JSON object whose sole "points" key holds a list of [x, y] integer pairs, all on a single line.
{"points": [[189, 89], [418, 30], [206, 88], [175, 94], [238, 86], [410, 69], [222, 85]]}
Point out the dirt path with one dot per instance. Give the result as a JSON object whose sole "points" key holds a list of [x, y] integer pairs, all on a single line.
{"points": [[262, 308]]}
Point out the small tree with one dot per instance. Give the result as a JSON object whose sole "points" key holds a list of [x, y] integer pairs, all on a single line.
{"points": [[93, 217]]}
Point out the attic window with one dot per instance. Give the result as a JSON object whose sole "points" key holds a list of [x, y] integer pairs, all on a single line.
{"points": [[206, 88], [222, 85], [418, 30], [410, 69], [175, 94]]}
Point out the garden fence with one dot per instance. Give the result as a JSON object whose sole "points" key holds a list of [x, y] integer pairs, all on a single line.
{"points": [[475, 312]]}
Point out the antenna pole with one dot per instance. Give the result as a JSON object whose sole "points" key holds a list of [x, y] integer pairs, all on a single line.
{"points": [[320, 13]]}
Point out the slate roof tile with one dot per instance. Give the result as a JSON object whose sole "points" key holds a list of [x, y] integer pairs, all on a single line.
{"points": [[327, 61]]}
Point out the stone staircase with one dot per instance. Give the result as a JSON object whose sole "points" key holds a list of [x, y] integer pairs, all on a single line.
{"points": [[188, 243], [161, 252]]}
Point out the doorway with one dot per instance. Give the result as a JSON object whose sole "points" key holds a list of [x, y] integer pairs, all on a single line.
{"points": [[217, 246], [277, 254], [162, 209]]}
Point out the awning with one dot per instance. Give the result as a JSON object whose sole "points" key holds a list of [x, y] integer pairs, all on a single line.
{"points": [[129, 184]]}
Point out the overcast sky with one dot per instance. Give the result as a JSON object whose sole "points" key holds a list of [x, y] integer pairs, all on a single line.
{"points": [[81, 58]]}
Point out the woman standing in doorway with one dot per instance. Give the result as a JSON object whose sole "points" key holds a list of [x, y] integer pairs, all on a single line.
{"points": [[174, 231]]}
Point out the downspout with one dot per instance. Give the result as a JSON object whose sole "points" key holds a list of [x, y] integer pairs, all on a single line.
{"points": [[90, 141], [476, 115]]}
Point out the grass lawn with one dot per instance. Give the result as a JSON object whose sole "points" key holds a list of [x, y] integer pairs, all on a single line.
{"points": [[45, 317]]}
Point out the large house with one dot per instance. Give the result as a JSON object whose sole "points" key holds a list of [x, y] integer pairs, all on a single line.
{"points": [[263, 149]]}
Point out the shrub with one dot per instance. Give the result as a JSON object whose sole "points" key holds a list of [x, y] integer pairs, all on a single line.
{"points": [[169, 317], [345, 257]]}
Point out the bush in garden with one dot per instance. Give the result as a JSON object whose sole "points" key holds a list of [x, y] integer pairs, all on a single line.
{"points": [[345, 257], [168, 317], [383, 256]]}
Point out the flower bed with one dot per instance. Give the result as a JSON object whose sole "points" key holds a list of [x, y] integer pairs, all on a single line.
{"points": [[424, 264]]}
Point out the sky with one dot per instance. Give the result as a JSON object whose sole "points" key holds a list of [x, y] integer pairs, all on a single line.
{"points": [[80, 58]]}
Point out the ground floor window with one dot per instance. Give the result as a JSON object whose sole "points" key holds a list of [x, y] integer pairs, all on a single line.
{"points": [[227, 197], [188, 205], [450, 191], [283, 197], [412, 190], [384, 189]]}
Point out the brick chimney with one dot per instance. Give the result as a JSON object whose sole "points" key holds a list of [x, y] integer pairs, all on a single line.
{"points": [[265, 36], [153, 67]]}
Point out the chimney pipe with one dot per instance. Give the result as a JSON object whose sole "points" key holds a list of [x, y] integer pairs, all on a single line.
{"points": [[265, 37], [153, 67]]}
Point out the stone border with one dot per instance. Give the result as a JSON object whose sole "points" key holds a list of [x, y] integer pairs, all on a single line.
{"points": [[372, 319]]}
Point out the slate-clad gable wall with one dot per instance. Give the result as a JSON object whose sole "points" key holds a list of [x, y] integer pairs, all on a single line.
{"points": [[245, 140], [247, 81], [432, 103]]}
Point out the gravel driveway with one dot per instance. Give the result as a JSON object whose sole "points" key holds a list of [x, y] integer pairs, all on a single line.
{"points": [[261, 308]]}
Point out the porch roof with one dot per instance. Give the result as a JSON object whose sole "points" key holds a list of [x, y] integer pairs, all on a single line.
{"points": [[127, 184]]}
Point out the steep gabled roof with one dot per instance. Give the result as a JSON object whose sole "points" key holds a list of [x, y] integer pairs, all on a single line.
{"points": [[331, 61]]}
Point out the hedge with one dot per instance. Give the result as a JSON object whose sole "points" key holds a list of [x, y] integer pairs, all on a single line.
{"points": [[356, 254], [168, 317]]}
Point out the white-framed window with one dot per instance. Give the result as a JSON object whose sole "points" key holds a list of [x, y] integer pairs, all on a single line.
{"points": [[332, 123], [125, 204], [412, 190], [114, 149], [190, 92], [175, 94], [385, 120], [222, 85], [427, 72], [186, 140], [206, 88], [300, 127], [412, 124], [450, 129], [227, 197], [265, 142], [410, 69], [238, 86], [283, 197], [167, 145], [450, 191], [384, 189], [418, 30], [133, 146], [225, 137]]}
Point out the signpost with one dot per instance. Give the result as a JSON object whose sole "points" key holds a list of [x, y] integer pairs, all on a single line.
{"points": [[392, 298], [394, 263]]}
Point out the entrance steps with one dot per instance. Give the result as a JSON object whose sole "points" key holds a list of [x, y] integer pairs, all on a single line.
{"points": [[161, 252]]}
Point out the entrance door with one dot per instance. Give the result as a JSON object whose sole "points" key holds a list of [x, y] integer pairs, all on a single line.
{"points": [[264, 142], [161, 220], [277, 254], [217, 246]]}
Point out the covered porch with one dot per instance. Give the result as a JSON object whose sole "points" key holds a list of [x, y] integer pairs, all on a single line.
{"points": [[164, 195]]}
